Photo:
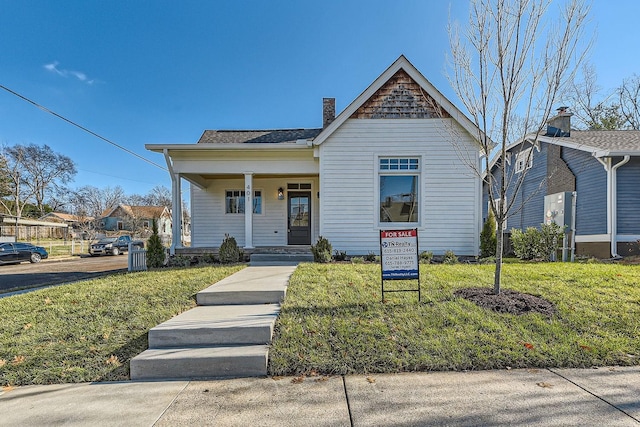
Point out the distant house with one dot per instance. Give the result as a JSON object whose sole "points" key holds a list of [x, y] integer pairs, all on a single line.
{"points": [[137, 220], [69, 219], [602, 167], [76, 223], [396, 158]]}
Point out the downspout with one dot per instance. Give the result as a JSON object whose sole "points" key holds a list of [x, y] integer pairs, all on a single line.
{"points": [[614, 207], [612, 201]]}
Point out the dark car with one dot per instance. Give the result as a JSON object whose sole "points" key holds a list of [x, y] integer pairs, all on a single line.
{"points": [[14, 253], [113, 245]]}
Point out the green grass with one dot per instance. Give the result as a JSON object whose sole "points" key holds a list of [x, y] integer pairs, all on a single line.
{"points": [[333, 320], [88, 331]]}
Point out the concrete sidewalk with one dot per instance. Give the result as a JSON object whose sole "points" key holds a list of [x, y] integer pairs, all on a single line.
{"points": [[604, 396]]}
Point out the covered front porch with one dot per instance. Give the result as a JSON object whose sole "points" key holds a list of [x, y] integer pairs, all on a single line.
{"points": [[264, 195]]}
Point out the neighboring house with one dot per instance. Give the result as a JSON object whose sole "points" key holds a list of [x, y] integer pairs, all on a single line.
{"points": [[76, 223], [69, 219], [137, 220], [396, 158], [602, 167]]}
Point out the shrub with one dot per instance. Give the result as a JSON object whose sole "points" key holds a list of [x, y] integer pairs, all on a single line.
{"points": [[340, 255], [370, 257], [426, 257], [229, 251], [155, 250], [449, 258], [179, 261], [488, 240], [321, 250], [357, 260], [535, 243]]}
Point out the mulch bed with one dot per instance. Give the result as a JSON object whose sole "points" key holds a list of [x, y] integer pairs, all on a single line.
{"points": [[507, 301]]}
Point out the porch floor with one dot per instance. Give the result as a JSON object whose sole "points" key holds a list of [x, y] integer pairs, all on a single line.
{"points": [[292, 249]]}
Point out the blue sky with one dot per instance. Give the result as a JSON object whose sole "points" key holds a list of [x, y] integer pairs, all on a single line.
{"points": [[140, 72]]}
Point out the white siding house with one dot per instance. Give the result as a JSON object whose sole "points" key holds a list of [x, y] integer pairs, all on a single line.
{"points": [[398, 157]]}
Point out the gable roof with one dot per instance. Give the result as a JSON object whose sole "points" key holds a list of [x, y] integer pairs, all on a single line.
{"points": [[66, 217], [138, 211], [402, 63], [601, 143], [257, 136]]}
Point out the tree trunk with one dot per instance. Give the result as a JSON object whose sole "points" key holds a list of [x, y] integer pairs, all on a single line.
{"points": [[497, 278]]}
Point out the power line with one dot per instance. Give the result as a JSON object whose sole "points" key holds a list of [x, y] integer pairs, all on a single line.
{"points": [[46, 110]]}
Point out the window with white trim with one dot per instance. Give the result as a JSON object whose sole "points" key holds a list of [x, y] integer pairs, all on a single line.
{"points": [[235, 201], [399, 179], [497, 203], [524, 160]]}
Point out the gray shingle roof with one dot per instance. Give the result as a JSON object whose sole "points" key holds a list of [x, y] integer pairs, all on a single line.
{"points": [[257, 136], [609, 140]]}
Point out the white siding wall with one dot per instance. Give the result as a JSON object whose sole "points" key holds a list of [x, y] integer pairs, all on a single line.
{"points": [[449, 196], [209, 223]]}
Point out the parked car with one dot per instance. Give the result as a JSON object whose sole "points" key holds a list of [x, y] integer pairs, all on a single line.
{"points": [[113, 245], [15, 253]]}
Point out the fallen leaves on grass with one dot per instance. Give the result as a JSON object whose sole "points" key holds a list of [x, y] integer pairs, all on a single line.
{"points": [[585, 347], [527, 345], [3, 362], [17, 360], [27, 326], [113, 360]]}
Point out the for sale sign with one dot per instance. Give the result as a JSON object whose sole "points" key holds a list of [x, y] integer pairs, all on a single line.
{"points": [[399, 254]]}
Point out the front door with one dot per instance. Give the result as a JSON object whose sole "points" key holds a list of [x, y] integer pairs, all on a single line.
{"points": [[299, 230]]}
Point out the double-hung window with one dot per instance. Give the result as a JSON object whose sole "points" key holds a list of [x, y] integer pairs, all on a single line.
{"points": [[524, 160], [399, 179], [235, 201]]}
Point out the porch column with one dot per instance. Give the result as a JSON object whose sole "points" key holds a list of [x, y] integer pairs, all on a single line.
{"points": [[176, 213], [248, 210]]}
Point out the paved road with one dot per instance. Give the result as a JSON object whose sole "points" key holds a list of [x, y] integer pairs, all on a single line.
{"points": [[52, 272]]}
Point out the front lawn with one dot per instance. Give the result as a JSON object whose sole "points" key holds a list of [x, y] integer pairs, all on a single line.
{"points": [[333, 321], [88, 331]]}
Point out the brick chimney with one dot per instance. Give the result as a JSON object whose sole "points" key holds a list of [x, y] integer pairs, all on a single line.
{"points": [[328, 111], [560, 125]]}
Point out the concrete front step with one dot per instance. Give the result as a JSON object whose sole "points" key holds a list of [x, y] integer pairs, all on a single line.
{"points": [[217, 325], [266, 259], [200, 363], [254, 285]]}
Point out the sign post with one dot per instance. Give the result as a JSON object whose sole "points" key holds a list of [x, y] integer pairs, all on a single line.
{"points": [[399, 258]]}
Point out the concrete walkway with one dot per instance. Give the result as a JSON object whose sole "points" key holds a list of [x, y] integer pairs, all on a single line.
{"points": [[569, 397]]}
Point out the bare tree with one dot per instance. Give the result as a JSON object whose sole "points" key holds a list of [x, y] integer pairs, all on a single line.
{"points": [[629, 96], [508, 69], [591, 109], [35, 173], [5, 181], [93, 201], [157, 196]]}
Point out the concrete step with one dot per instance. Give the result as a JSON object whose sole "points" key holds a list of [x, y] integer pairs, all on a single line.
{"points": [[254, 285], [200, 363], [217, 325], [275, 259]]}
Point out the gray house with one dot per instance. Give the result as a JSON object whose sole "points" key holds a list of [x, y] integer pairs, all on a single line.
{"points": [[602, 167]]}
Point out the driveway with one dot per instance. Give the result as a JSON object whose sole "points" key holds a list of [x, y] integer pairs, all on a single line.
{"points": [[52, 272]]}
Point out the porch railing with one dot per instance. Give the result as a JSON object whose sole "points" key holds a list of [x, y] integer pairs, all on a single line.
{"points": [[137, 258]]}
